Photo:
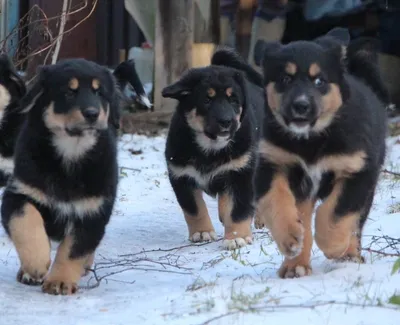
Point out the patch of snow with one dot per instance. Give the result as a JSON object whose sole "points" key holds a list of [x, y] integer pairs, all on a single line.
{"points": [[176, 282]]}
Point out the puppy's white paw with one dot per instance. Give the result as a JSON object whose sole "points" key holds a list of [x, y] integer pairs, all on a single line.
{"points": [[297, 271], [231, 244], [203, 236]]}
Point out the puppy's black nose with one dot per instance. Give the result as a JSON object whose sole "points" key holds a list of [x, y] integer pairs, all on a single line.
{"points": [[301, 107], [224, 123], [91, 114]]}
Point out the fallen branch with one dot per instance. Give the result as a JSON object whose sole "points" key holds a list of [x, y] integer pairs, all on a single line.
{"points": [[169, 249], [164, 264], [369, 250], [380, 245], [273, 308], [386, 171]]}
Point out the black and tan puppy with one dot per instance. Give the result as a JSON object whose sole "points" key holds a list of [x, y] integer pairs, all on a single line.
{"points": [[12, 89], [211, 145], [325, 139], [65, 176]]}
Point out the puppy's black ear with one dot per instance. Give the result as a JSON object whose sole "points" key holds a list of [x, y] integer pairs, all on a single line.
{"points": [[264, 50], [184, 86], [115, 114], [340, 34], [18, 82], [226, 56], [36, 91], [364, 47], [113, 98], [241, 80], [7, 68], [336, 42]]}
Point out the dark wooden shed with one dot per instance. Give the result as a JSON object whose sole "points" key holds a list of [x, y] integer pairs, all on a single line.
{"points": [[105, 34]]}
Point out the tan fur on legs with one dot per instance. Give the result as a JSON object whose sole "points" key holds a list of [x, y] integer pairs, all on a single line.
{"points": [[332, 236], [32, 244], [300, 265], [277, 211], [88, 264], [237, 234], [200, 226], [66, 272]]}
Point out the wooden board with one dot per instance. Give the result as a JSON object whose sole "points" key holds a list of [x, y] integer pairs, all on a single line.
{"points": [[173, 46]]}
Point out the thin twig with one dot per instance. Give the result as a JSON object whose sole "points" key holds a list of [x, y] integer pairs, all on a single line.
{"points": [[272, 308], [381, 252], [386, 171], [168, 249], [63, 21]]}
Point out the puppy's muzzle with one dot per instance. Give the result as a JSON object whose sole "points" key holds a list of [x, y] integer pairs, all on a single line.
{"points": [[224, 123], [301, 108], [91, 114]]}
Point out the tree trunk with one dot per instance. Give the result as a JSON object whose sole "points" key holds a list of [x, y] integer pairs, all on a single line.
{"points": [[173, 46]]}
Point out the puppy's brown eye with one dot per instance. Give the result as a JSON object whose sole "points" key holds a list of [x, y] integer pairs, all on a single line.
{"points": [[286, 80], [319, 82]]}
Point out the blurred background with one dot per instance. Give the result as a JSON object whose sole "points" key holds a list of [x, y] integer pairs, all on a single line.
{"points": [[166, 37]]}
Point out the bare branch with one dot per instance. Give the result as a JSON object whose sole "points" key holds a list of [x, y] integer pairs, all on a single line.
{"points": [[61, 31], [274, 307]]}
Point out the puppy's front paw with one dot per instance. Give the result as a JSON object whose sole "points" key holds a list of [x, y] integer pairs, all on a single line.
{"points": [[204, 236], [293, 270], [231, 244], [59, 287], [359, 259], [31, 278], [34, 273], [238, 234], [289, 238]]}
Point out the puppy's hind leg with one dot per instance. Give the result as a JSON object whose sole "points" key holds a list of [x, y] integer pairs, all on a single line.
{"points": [[195, 211], [236, 208], [25, 226]]}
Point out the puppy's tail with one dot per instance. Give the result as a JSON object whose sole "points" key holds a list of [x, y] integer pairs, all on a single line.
{"points": [[228, 57], [126, 73], [362, 62]]}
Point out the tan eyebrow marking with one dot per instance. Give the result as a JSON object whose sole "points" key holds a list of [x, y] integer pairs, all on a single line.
{"points": [[314, 70], [211, 92], [73, 84], [291, 68], [95, 84]]}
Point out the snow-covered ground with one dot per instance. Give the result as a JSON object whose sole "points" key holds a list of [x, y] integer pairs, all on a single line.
{"points": [[152, 275]]}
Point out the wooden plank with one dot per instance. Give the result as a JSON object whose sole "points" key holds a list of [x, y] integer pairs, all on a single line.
{"points": [[173, 46]]}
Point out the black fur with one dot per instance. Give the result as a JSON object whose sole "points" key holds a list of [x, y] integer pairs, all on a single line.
{"points": [[183, 148], [11, 118], [358, 125], [39, 161], [126, 73], [363, 62]]}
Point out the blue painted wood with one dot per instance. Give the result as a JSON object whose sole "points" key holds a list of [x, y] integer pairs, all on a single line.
{"points": [[12, 19]]}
